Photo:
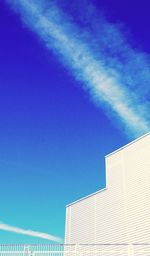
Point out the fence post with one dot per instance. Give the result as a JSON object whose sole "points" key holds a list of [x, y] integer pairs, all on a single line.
{"points": [[130, 250], [26, 251], [77, 250]]}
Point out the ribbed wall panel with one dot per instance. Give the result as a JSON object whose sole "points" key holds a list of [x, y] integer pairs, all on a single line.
{"points": [[110, 227], [121, 213], [81, 219], [137, 166]]}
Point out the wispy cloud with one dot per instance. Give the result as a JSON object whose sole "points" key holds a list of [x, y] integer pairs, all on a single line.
{"points": [[32, 233], [101, 59]]}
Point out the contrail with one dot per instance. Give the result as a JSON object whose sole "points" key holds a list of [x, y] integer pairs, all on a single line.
{"points": [[100, 73], [21, 231]]}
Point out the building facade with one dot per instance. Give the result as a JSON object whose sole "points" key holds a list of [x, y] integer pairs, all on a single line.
{"points": [[120, 213]]}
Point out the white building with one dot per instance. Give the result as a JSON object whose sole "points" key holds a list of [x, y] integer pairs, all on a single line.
{"points": [[120, 213]]}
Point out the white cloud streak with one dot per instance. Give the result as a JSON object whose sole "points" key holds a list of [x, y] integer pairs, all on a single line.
{"points": [[6, 227], [104, 82]]}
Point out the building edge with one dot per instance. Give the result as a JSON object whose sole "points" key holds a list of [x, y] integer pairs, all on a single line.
{"points": [[110, 154], [85, 197], [128, 144]]}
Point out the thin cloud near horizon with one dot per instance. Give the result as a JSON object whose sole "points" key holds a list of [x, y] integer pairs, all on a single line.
{"points": [[27, 232]]}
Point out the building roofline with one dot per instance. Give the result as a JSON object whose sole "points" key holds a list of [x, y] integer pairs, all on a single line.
{"points": [[103, 189], [130, 143], [85, 197]]}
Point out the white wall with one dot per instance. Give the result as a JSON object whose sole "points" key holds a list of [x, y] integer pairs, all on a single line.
{"points": [[137, 178], [120, 213]]}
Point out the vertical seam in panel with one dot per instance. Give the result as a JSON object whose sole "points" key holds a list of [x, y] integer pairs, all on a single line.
{"points": [[125, 196], [106, 175], [69, 225], [95, 220]]}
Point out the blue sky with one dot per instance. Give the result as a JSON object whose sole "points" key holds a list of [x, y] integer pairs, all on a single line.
{"points": [[55, 126]]}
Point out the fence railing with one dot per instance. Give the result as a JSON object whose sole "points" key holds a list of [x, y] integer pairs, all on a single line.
{"points": [[75, 250]]}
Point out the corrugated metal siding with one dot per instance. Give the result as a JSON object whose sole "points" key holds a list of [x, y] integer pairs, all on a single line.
{"points": [[93, 220], [120, 214], [110, 212], [137, 166], [81, 226]]}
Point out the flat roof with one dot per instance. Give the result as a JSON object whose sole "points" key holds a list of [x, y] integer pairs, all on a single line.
{"points": [[85, 197], [130, 143]]}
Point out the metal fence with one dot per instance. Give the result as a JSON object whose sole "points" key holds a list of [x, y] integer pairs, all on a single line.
{"points": [[75, 250]]}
